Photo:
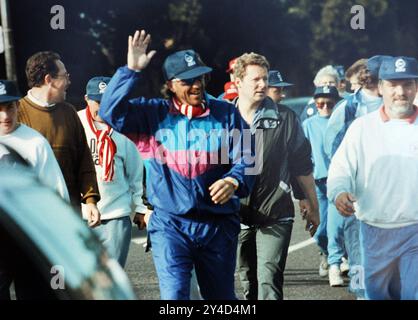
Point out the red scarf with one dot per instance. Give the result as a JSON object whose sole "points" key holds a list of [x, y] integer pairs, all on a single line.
{"points": [[188, 110], [106, 148]]}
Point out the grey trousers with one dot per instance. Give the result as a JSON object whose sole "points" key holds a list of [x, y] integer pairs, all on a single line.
{"points": [[261, 260]]}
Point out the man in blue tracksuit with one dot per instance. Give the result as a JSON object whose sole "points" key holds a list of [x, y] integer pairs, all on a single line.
{"points": [[197, 167]]}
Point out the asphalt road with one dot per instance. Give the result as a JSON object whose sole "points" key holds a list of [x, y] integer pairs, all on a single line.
{"points": [[302, 281]]}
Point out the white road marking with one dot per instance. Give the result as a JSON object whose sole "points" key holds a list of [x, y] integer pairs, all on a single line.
{"points": [[301, 245], [139, 240]]}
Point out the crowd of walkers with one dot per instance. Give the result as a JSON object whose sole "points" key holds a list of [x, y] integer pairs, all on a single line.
{"points": [[222, 174]]}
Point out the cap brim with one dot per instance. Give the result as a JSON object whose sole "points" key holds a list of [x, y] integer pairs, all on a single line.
{"points": [[281, 84], [325, 95], [398, 77], [193, 73], [95, 97], [4, 99]]}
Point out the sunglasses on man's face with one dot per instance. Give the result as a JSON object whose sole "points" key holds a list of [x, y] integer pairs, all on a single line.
{"points": [[321, 104], [190, 81]]}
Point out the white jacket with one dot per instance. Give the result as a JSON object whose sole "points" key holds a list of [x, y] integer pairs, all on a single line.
{"points": [[377, 161], [34, 148], [123, 194]]}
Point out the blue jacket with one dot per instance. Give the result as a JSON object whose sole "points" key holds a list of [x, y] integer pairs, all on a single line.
{"points": [[314, 128], [346, 111], [182, 157]]}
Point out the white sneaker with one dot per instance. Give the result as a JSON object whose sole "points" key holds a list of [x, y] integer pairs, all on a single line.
{"points": [[323, 265], [334, 274], [344, 266]]}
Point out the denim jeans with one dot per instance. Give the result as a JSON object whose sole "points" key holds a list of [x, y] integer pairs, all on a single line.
{"points": [[344, 240], [262, 254], [335, 232], [320, 236], [115, 234], [390, 260]]}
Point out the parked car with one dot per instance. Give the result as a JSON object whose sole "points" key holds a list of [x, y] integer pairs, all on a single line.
{"points": [[297, 104], [41, 235]]}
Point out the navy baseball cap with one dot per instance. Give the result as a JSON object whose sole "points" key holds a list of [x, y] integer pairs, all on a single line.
{"points": [[374, 63], [96, 87], [8, 91], [276, 79], [398, 68], [184, 64], [326, 91]]}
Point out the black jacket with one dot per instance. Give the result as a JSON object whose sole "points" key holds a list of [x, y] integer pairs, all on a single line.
{"points": [[286, 153]]}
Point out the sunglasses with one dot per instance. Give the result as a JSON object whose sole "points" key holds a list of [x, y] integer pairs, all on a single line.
{"points": [[321, 104], [190, 81]]}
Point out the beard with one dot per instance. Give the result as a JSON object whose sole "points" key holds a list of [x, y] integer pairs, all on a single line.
{"points": [[402, 111]]}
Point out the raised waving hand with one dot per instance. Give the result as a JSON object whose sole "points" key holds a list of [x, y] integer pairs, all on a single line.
{"points": [[138, 58]]}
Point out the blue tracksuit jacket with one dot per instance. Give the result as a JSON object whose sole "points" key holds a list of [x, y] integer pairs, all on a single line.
{"points": [[182, 157]]}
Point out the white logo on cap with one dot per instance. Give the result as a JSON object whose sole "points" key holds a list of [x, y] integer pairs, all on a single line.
{"points": [[232, 90], [326, 90], [310, 111], [189, 60], [279, 76], [400, 65], [2, 89], [102, 87]]}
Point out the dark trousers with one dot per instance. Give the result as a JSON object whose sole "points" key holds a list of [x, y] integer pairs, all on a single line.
{"points": [[261, 260]]}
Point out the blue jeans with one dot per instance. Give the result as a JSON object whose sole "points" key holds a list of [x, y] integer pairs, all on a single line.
{"points": [[335, 232], [209, 244], [320, 236], [390, 260], [344, 240], [115, 234]]}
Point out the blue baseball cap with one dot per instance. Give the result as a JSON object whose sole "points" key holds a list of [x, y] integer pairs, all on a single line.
{"points": [[398, 68], [374, 63], [184, 64], [8, 91], [326, 91], [96, 87], [276, 79]]}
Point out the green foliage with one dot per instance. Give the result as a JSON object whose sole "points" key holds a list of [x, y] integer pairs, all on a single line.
{"points": [[297, 36]]}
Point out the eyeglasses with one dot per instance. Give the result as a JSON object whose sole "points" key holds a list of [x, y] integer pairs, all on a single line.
{"points": [[65, 75], [190, 81], [322, 104]]}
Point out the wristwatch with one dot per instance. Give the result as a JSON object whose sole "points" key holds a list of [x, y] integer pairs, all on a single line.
{"points": [[233, 181]]}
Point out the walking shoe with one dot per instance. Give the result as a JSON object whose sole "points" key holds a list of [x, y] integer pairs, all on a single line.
{"points": [[334, 274], [344, 267], [323, 265]]}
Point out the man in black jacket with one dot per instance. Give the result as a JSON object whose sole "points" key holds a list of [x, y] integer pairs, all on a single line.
{"points": [[267, 214]]}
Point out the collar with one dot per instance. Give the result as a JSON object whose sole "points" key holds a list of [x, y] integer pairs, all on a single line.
{"points": [[410, 120], [267, 115], [32, 98], [356, 95]]}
